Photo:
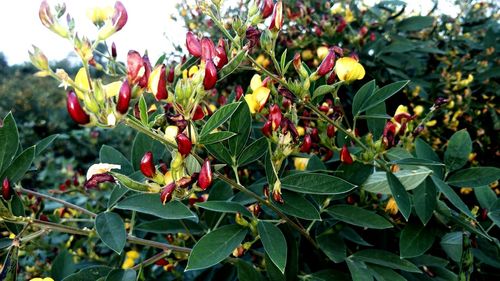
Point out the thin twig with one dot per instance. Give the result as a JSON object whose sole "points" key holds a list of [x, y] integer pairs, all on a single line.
{"points": [[150, 260]]}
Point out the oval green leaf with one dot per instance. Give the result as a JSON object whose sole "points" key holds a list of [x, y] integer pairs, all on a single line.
{"points": [[225, 207], [220, 116], [399, 193], [415, 240], [474, 177], [316, 184], [274, 243], [385, 258], [151, 204], [111, 230], [358, 216]]}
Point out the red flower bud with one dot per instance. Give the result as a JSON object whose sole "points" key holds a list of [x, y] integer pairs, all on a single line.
{"points": [[75, 110], [331, 78], [266, 9], [277, 197], [328, 155], [239, 92], [267, 129], [372, 37], [113, 50], [306, 145], [124, 98], [286, 103], [327, 64], [330, 131], [207, 49], [6, 190], [342, 25], [161, 92], [184, 144], [166, 193], [253, 36], [315, 134], [193, 44], [345, 156], [275, 116], [210, 75], [147, 165], [96, 179], [198, 113], [389, 135], [265, 191], [362, 31], [220, 58], [205, 177], [297, 62], [171, 75], [143, 81], [120, 16], [134, 65], [277, 19]]}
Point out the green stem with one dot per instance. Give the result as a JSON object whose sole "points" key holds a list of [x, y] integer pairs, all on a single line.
{"points": [[265, 71], [151, 260], [219, 221], [132, 223], [187, 231]]}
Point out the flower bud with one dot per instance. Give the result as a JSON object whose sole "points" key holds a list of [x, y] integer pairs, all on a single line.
{"points": [[253, 36], [198, 113], [38, 59], [266, 9], [277, 196], [389, 134], [184, 144], [265, 190], [205, 176], [267, 129], [147, 165], [144, 80], [239, 92], [275, 116], [210, 78], [327, 64], [171, 75], [45, 15], [158, 82], [96, 179], [135, 67], [6, 190], [345, 156], [330, 131], [113, 50], [266, 41], [220, 58], [75, 110], [124, 98], [120, 16], [167, 192], [306, 145], [277, 19], [315, 134], [193, 44], [207, 49]]}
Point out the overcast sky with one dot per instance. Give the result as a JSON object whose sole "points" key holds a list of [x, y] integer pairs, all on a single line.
{"points": [[149, 27]]}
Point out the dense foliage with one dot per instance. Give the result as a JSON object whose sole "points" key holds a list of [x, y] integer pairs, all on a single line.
{"points": [[295, 140]]}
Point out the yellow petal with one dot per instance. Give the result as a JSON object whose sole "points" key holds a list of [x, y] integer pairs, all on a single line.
{"points": [[322, 52], [256, 82], [348, 69], [418, 110], [401, 109], [300, 163], [133, 254], [261, 95], [82, 81], [252, 103], [154, 79], [112, 89]]}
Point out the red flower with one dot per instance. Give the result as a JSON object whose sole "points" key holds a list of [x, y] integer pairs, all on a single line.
{"points": [[75, 110], [6, 190], [184, 144], [193, 44], [210, 75], [345, 156], [205, 177], [266, 9], [327, 64], [306, 145], [166, 193], [147, 165], [123, 98]]}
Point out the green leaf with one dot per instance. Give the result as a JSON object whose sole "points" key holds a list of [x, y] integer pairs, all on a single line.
{"points": [[164, 226], [323, 90], [220, 116], [485, 196], [232, 65], [425, 151], [246, 271], [296, 205], [9, 141], [215, 247], [62, 265], [143, 110], [416, 162], [130, 183], [452, 196], [274, 243], [384, 258], [452, 244], [376, 120], [415, 23], [142, 144], [253, 152], [44, 143], [240, 124], [20, 165], [10, 264], [215, 137], [225, 207], [377, 182], [110, 155], [121, 275], [399, 193], [312, 183], [459, 148], [333, 246], [425, 200], [219, 151], [383, 94], [5, 242], [350, 234], [151, 204], [359, 271], [415, 240], [358, 216], [362, 96], [89, 273], [283, 61], [385, 274], [111, 230], [117, 194], [474, 177]]}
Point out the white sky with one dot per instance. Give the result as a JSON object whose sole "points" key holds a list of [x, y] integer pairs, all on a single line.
{"points": [[149, 27]]}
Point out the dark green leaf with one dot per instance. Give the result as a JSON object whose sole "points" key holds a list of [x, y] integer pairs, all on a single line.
{"points": [[272, 270], [142, 144], [143, 110], [62, 265], [425, 151], [494, 216], [350, 234], [358, 216], [20, 165], [5, 243], [111, 230], [459, 148], [383, 94], [225, 207], [117, 194], [240, 124], [215, 246], [333, 246], [121, 275], [169, 226], [315, 164], [485, 196], [377, 182], [399, 193], [10, 265], [246, 271], [416, 162], [474, 177], [219, 151], [316, 184], [110, 155], [452, 244], [452, 196], [44, 143], [215, 137], [415, 23], [384, 258], [9, 141], [425, 200], [220, 116], [385, 274], [89, 273], [376, 124], [429, 260], [274, 243], [415, 240], [131, 184], [359, 271], [253, 152], [151, 204], [361, 96], [296, 205]]}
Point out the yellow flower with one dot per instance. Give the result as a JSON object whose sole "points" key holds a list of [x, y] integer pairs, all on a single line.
{"points": [[170, 133], [128, 263], [99, 14], [112, 89], [82, 82], [321, 52], [465, 190], [349, 17], [391, 207], [301, 131], [262, 60], [300, 163], [401, 109], [336, 9], [41, 279], [348, 70], [431, 123], [418, 110], [307, 55], [256, 82], [258, 98], [133, 254]]}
